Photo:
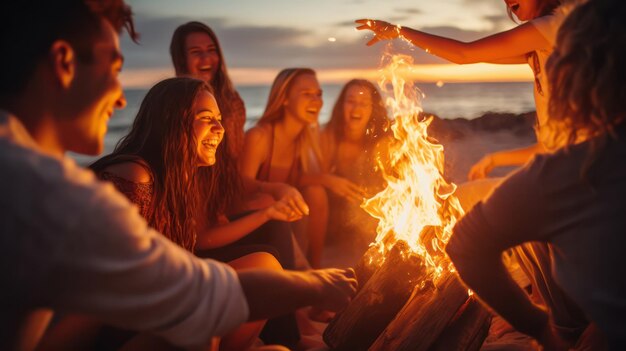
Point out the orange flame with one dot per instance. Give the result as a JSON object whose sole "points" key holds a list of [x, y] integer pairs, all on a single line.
{"points": [[418, 204]]}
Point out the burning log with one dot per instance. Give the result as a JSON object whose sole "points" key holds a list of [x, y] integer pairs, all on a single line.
{"points": [[467, 330], [370, 261], [377, 303], [428, 312], [368, 264]]}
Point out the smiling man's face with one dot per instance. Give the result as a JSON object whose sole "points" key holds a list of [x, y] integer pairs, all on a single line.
{"points": [[95, 93]]}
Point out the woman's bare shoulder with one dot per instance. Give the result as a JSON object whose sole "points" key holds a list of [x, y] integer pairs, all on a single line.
{"points": [[261, 133], [134, 171]]}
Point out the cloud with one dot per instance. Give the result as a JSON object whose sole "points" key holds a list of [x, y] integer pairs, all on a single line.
{"points": [[409, 11], [277, 47], [499, 22], [349, 23]]}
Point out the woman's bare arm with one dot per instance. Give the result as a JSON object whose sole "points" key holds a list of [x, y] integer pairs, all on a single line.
{"points": [[511, 45]]}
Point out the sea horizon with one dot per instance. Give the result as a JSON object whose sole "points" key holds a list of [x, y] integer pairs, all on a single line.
{"points": [[447, 101]]}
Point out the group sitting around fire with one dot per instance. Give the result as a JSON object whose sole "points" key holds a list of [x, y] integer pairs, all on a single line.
{"points": [[195, 233]]}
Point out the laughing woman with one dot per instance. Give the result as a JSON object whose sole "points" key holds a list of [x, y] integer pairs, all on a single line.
{"points": [[284, 147], [351, 141], [197, 53], [162, 165]]}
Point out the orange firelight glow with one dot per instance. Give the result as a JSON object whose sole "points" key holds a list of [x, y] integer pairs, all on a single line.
{"points": [[418, 205]]}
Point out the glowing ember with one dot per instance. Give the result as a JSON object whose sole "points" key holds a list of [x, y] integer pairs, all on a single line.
{"points": [[418, 205]]}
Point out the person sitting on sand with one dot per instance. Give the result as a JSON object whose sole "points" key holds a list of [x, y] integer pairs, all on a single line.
{"points": [[350, 144], [196, 52], [284, 147], [531, 42], [572, 198], [159, 166]]}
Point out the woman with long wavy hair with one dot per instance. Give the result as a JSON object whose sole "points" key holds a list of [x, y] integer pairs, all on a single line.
{"points": [[162, 165], [351, 143], [196, 52]]}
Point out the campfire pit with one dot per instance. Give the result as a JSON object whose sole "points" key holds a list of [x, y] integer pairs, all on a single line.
{"points": [[410, 297]]}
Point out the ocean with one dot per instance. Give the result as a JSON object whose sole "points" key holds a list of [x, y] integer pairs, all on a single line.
{"points": [[451, 100]]}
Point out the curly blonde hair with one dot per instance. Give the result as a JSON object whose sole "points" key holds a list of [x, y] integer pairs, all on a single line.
{"points": [[587, 74]]}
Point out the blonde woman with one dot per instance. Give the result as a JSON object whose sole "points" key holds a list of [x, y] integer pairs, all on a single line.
{"points": [[284, 147]]}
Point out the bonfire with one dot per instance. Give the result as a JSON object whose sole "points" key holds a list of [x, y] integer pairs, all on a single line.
{"points": [[410, 297]]}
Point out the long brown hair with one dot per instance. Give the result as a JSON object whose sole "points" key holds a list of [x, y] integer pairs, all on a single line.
{"points": [[307, 143], [587, 74], [229, 102], [162, 136]]}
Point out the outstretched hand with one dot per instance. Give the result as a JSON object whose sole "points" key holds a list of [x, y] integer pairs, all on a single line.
{"points": [[344, 188], [336, 288], [482, 168], [290, 196], [382, 30], [283, 210]]}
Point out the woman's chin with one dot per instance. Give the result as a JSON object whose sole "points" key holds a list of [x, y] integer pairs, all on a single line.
{"points": [[207, 162]]}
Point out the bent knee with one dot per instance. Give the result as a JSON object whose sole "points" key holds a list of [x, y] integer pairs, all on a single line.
{"points": [[259, 260]]}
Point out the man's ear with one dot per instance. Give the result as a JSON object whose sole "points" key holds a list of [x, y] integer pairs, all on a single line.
{"points": [[63, 62]]}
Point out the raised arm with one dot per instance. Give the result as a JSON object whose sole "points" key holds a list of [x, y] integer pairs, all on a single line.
{"points": [[510, 46]]}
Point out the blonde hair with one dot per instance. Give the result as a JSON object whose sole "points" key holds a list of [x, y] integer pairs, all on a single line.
{"points": [[307, 143]]}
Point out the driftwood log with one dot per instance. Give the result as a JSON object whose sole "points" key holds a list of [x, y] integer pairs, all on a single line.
{"points": [[467, 330], [424, 317], [377, 302]]}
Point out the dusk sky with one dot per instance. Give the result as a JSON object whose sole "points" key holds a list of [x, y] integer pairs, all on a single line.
{"points": [[260, 37]]}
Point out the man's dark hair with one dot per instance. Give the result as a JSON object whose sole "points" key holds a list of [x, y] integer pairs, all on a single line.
{"points": [[28, 29]]}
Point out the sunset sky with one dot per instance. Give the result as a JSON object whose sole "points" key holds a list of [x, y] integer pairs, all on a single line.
{"points": [[260, 37]]}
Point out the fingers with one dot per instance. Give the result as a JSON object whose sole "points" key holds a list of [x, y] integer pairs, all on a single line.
{"points": [[382, 30], [295, 200], [473, 174], [338, 287], [298, 204], [374, 40], [350, 273], [353, 192], [282, 211]]}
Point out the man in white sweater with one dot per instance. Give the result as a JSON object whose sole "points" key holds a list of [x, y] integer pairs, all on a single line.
{"points": [[73, 244]]}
